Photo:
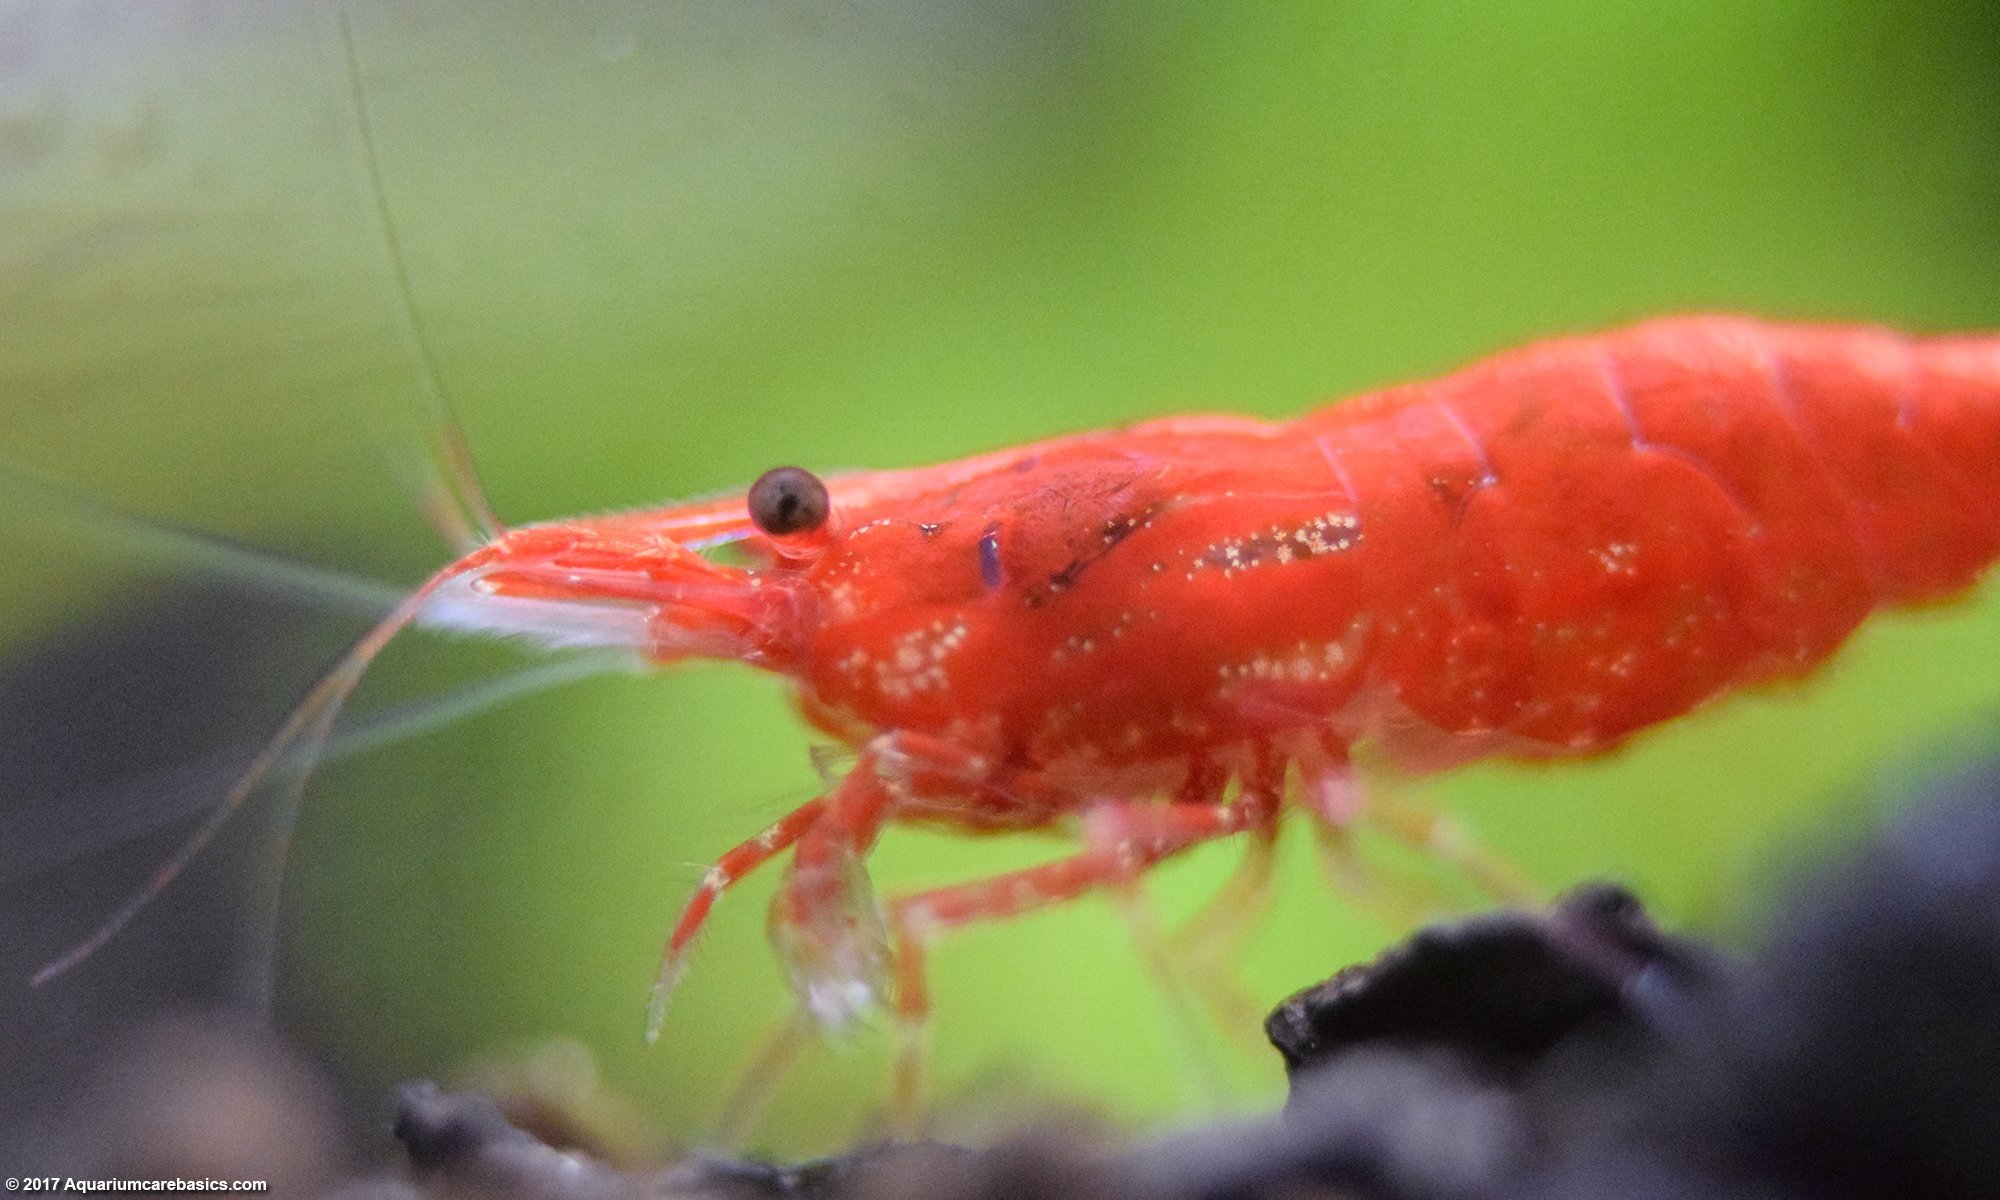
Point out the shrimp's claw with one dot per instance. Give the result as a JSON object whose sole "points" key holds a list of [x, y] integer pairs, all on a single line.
{"points": [[825, 922], [829, 932]]}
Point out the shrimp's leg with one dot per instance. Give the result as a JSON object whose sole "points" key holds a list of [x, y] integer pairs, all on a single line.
{"points": [[1193, 965], [1206, 945], [824, 921], [1427, 829], [1184, 995], [774, 1056], [1123, 840], [727, 870], [822, 918], [829, 930], [1206, 936], [1334, 804]]}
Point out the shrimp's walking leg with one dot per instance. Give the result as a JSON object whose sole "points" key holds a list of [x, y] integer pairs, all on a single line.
{"points": [[774, 1056], [727, 870], [1205, 945], [1188, 1002], [824, 921], [1334, 803], [1426, 828], [1122, 840], [1190, 964], [1206, 936], [829, 931]]}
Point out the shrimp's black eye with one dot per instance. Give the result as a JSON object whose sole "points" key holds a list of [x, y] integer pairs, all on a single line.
{"points": [[788, 500]]}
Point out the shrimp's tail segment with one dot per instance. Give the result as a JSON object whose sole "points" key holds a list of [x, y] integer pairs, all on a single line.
{"points": [[1890, 444], [1910, 429], [1958, 410]]}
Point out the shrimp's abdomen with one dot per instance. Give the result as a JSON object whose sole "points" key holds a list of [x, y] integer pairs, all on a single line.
{"points": [[1667, 513]]}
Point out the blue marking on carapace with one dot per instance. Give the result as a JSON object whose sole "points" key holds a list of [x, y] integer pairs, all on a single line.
{"points": [[989, 559]]}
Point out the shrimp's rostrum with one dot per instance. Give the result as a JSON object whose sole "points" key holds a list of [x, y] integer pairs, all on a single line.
{"points": [[1140, 634]]}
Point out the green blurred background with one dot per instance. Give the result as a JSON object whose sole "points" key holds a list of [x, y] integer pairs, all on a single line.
{"points": [[662, 247]]}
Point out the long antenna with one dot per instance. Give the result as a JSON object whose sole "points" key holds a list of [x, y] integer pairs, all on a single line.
{"points": [[257, 973], [459, 507], [43, 502], [165, 797], [303, 734]]}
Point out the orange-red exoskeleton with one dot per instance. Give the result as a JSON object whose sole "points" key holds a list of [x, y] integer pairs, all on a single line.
{"points": [[1140, 634]]}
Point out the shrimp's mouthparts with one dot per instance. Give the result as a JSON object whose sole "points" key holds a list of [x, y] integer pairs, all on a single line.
{"points": [[658, 599]]}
